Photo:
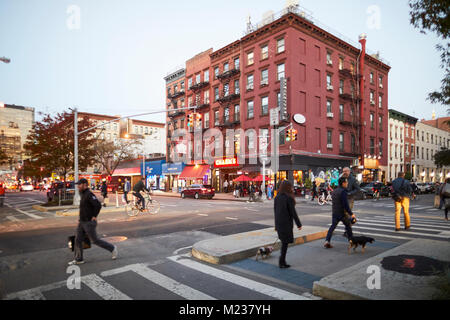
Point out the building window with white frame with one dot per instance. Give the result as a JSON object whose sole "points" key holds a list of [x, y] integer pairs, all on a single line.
{"points": [[281, 71], [280, 45], [264, 52], [206, 76], [250, 109], [250, 58], [250, 79], [264, 106], [265, 77]]}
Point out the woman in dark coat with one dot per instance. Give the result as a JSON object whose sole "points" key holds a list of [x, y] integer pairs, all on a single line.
{"points": [[285, 215]]}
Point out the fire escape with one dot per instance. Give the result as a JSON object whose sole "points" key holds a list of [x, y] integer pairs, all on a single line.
{"points": [[229, 98]]}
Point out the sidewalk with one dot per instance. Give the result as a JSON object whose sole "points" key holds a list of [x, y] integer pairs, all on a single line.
{"points": [[228, 249]]}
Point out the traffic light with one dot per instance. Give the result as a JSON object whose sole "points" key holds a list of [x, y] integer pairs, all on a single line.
{"points": [[198, 120], [294, 135], [190, 120]]}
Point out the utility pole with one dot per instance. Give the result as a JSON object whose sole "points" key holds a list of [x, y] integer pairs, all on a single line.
{"points": [[76, 198]]}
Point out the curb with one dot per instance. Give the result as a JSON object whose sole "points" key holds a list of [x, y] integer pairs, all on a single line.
{"points": [[51, 209], [241, 254], [68, 213]]}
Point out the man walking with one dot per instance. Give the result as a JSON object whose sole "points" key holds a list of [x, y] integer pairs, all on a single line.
{"points": [[402, 193], [341, 212], [353, 186], [89, 209], [126, 189], [104, 192], [225, 186]]}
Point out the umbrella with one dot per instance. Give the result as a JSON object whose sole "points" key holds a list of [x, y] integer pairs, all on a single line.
{"points": [[243, 178], [260, 179]]}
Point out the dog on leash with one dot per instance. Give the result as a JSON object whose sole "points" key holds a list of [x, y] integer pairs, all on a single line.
{"points": [[264, 253], [355, 242]]}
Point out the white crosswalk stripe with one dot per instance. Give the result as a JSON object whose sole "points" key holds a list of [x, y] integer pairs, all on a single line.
{"points": [[102, 288]]}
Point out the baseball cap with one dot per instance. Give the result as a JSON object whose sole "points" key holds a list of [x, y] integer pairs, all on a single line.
{"points": [[82, 181]]}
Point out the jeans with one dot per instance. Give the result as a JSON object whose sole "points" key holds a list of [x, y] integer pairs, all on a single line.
{"points": [[89, 229], [141, 199], [334, 224], [403, 204], [442, 203], [284, 248], [125, 195]]}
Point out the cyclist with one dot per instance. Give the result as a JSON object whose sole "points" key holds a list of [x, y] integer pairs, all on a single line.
{"points": [[137, 189]]}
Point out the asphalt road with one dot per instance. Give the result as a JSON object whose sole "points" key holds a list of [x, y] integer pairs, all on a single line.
{"points": [[154, 261]]}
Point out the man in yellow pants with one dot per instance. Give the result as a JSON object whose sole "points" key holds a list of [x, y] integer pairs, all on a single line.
{"points": [[402, 193]]}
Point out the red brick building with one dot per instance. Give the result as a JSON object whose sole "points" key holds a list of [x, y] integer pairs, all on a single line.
{"points": [[340, 90]]}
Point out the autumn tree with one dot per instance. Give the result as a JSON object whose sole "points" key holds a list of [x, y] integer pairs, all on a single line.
{"points": [[110, 154], [51, 144], [3, 157], [433, 16], [442, 158]]}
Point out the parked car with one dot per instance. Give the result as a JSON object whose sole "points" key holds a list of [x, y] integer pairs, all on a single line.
{"points": [[430, 187], [422, 187], [198, 191], [57, 186], [26, 187]]}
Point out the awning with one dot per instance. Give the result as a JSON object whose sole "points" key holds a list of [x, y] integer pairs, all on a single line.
{"points": [[154, 168], [194, 172], [127, 172]]}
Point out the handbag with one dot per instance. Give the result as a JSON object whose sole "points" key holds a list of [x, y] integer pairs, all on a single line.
{"points": [[446, 190], [71, 243]]}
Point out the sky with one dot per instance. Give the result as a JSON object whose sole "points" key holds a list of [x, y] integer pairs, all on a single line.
{"points": [[110, 56]]}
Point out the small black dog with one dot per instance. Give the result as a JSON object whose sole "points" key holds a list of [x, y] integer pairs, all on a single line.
{"points": [[354, 242]]}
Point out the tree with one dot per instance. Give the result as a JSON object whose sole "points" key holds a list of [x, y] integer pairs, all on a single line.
{"points": [[3, 157], [110, 154], [433, 15], [51, 144], [442, 158]]}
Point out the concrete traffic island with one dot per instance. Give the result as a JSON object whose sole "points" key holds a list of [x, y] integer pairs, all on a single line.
{"points": [[228, 249], [408, 272]]}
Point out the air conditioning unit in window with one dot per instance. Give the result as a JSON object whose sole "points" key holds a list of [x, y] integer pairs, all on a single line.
{"points": [[381, 86], [265, 82], [372, 102], [329, 87], [330, 115], [249, 87], [329, 62], [329, 146]]}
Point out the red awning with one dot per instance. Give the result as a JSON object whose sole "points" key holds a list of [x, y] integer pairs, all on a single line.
{"points": [[194, 172], [127, 172]]}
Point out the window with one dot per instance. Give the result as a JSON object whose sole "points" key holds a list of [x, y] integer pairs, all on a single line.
{"points": [[197, 78], [372, 97], [226, 89], [341, 112], [237, 114], [182, 85], [341, 86], [237, 90], [264, 52], [237, 64], [341, 141], [216, 94], [190, 83], [341, 63], [281, 71], [329, 81], [206, 97], [278, 99], [280, 45], [380, 147], [206, 76], [380, 101], [216, 118], [372, 122], [175, 88], [329, 59], [265, 77], [372, 146], [250, 58], [183, 103], [329, 106], [250, 82], [226, 115], [265, 106], [226, 67], [190, 101], [353, 143], [250, 109], [371, 77], [216, 72], [206, 120], [380, 81], [380, 123], [329, 137], [146, 130]]}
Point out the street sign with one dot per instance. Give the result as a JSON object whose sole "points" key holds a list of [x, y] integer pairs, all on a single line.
{"points": [[275, 117], [299, 118]]}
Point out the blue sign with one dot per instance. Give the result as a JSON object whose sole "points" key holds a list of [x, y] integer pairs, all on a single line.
{"points": [[153, 168], [173, 168]]}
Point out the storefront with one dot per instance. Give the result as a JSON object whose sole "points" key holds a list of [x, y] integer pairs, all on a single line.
{"points": [[93, 179], [171, 173], [133, 173], [153, 174], [226, 169], [197, 174]]}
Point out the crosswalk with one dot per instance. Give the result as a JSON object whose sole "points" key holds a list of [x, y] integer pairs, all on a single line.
{"points": [[17, 209], [106, 287], [384, 227]]}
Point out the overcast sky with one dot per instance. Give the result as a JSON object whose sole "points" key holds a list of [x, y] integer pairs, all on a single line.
{"points": [[115, 59]]}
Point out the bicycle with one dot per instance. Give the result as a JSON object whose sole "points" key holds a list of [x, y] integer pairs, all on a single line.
{"points": [[322, 200], [151, 206], [376, 195]]}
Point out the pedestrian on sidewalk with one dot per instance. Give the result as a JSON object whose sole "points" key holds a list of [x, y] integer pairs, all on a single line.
{"points": [[285, 216], [353, 186], [104, 191], [445, 195], [2, 194], [237, 191], [315, 194], [269, 192], [341, 212], [225, 186], [402, 194], [126, 189], [89, 210]]}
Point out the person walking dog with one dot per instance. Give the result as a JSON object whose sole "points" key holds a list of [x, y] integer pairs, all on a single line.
{"points": [[341, 212], [89, 209], [285, 216], [402, 193]]}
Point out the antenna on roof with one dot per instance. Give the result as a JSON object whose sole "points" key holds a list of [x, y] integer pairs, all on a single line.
{"points": [[249, 24], [292, 5], [268, 17]]}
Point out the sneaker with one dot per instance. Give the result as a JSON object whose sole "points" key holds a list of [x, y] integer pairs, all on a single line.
{"points": [[328, 246], [397, 230], [115, 253], [75, 262]]}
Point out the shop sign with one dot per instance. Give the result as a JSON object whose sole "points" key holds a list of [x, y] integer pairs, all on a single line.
{"points": [[226, 163]]}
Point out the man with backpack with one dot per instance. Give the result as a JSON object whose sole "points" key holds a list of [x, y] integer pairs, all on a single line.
{"points": [[89, 209], [402, 193]]}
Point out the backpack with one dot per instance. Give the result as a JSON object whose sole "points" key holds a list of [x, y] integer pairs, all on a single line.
{"points": [[446, 190]]}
